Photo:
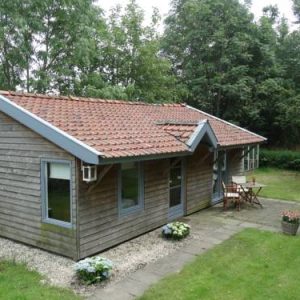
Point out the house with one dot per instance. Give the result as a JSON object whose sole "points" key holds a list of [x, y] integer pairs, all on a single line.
{"points": [[79, 175]]}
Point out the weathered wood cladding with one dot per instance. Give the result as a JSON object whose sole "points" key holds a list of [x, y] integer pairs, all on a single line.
{"points": [[21, 151], [100, 224], [199, 179], [235, 163]]}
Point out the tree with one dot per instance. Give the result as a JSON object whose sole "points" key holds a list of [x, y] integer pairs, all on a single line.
{"points": [[209, 42], [132, 56], [44, 42]]}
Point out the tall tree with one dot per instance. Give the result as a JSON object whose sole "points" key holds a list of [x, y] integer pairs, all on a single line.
{"points": [[209, 42], [43, 42], [133, 58]]}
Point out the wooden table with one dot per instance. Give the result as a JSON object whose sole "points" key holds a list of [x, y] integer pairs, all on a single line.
{"points": [[254, 189]]}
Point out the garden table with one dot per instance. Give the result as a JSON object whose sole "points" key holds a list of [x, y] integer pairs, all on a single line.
{"points": [[254, 189]]}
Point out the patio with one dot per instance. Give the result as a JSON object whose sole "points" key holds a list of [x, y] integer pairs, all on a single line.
{"points": [[209, 228]]}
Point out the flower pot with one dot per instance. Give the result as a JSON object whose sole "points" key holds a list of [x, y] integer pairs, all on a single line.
{"points": [[289, 228]]}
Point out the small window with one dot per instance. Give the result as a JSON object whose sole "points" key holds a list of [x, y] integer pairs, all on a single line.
{"points": [[251, 158], [130, 187], [57, 192]]}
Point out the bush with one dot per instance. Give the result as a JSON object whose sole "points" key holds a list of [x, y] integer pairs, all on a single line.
{"points": [[176, 230], [280, 159], [93, 269]]}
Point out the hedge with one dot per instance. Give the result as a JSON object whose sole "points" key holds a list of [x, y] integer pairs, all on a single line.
{"points": [[283, 159]]}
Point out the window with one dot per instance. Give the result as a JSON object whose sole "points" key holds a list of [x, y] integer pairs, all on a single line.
{"points": [[175, 182], [130, 187], [56, 192], [251, 157]]}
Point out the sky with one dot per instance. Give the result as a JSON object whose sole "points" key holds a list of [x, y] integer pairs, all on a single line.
{"points": [[285, 6]]}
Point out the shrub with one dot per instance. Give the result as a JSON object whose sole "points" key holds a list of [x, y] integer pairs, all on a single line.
{"points": [[176, 230], [280, 159], [93, 269]]}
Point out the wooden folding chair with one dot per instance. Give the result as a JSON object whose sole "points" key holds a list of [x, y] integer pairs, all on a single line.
{"points": [[232, 194], [240, 181]]}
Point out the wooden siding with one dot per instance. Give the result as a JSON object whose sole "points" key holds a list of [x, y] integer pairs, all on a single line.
{"points": [[199, 180], [21, 151], [100, 225], [235, 164]]}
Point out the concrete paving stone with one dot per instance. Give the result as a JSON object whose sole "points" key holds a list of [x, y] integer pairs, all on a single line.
{"points": [[268, 228], [249, 225], [116, 294], [196, 248], [145, 276], [171, 264]]}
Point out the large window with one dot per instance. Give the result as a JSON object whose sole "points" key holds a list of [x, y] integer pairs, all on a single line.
{"points": [[251, 157], [56, 192], [131, 187]]}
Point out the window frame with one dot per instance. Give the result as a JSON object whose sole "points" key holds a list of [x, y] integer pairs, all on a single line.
{"points": [[44, 193], [251, 163], [140, 205]]}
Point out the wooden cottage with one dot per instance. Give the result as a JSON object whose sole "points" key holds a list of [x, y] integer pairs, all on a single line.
{"points": [[78, 176]]}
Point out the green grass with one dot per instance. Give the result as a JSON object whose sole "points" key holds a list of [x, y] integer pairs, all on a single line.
{"points": [[251, 265], [16, 282], [281, 184]]}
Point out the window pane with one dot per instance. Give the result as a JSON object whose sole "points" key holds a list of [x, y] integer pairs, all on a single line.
{"points": [[175, 196], [59, 192], [175, 176], [130, 185], [175, 182]]}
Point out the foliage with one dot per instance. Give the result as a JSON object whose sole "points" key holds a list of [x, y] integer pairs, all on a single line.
{"points": [[289, 216], [93, 269], [283, 159], [176, 230], [252, 264], [280, 184], [17, 282]]}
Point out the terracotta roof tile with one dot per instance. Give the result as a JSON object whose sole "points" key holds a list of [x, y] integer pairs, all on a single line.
{"points": [[121, 128]]}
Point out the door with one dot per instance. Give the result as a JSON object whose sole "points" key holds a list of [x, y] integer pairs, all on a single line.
{"points": [[176, 191], [219, 175]]}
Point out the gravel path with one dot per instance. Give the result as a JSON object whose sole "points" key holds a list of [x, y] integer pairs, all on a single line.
{"points": [[126, 257]]}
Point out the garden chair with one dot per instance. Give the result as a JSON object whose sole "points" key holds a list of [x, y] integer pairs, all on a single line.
{"points": [[232, 194], [239, 181]]}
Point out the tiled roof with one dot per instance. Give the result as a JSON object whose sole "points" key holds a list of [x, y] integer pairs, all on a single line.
{"points": [[122, 128]]}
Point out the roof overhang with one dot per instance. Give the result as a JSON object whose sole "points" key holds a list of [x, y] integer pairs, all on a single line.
{"points": [[50, 132], [203, 131]]}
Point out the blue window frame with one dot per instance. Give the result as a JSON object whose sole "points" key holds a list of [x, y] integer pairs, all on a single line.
{"points": [[56, 192], [130, 188]]}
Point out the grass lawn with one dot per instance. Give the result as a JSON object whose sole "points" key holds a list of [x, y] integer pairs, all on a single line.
{"points": [[251, 265], [16, 282], [281, 184]]}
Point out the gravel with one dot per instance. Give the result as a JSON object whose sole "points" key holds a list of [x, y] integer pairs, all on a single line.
{"points": [[126, 257]]}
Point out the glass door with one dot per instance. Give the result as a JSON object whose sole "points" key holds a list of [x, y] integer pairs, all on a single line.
{"points": [[219, 175], [175, 189]]}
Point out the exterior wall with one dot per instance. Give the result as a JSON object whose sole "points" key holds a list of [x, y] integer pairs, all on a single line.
{"points": [[199, 180], [100, 225], [235, 163], [21, 151]]}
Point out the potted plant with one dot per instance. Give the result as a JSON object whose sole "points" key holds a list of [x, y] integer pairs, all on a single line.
{"points": [[290, 222]]}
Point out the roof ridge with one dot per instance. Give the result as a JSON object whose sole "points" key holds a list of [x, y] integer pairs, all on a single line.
{"points": [[86, 99], [226, 122]]}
